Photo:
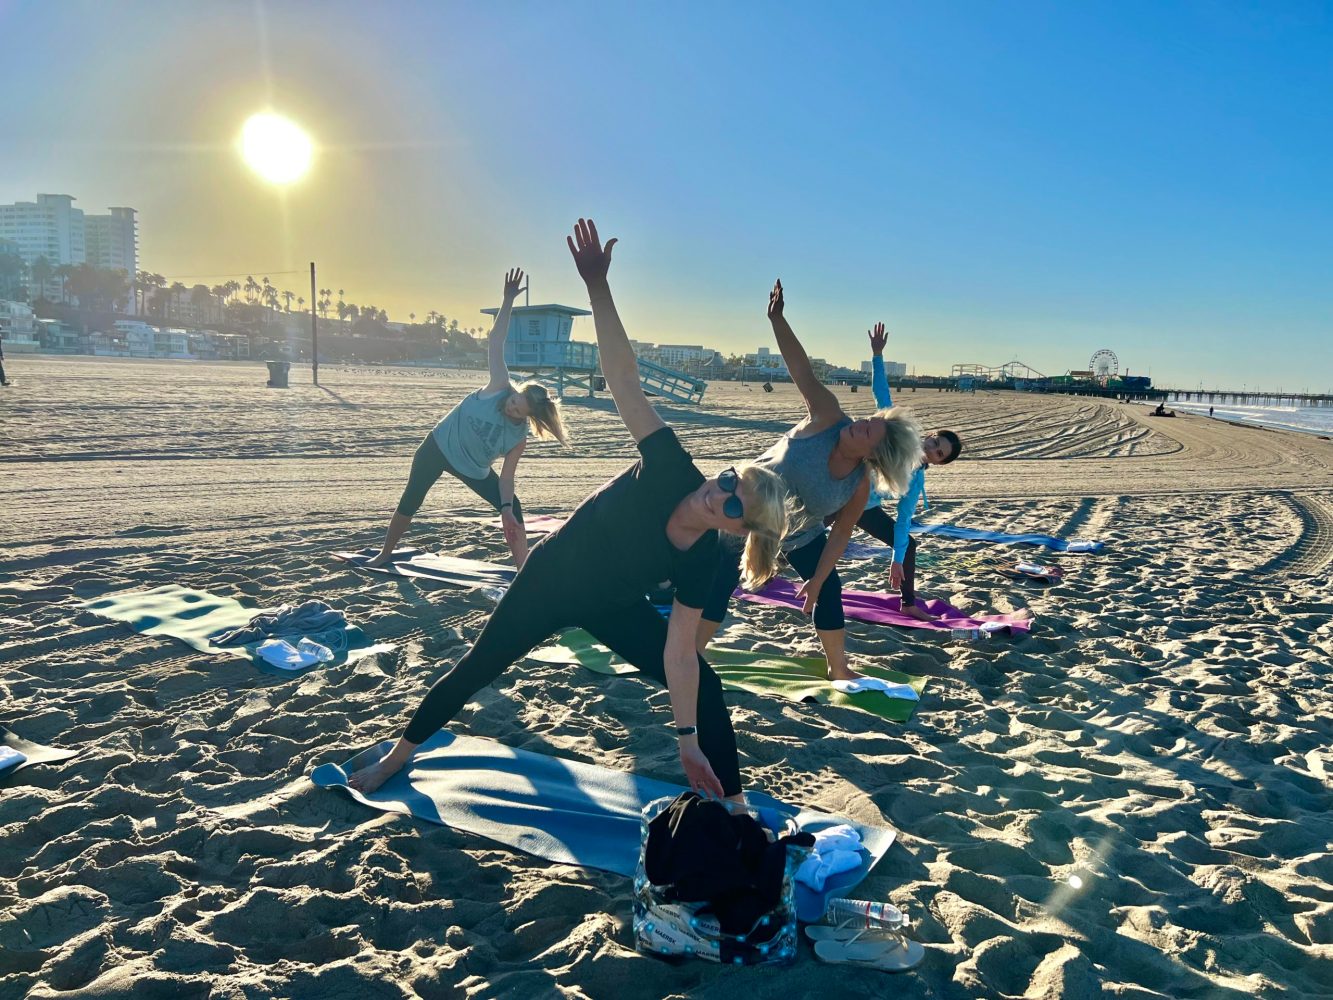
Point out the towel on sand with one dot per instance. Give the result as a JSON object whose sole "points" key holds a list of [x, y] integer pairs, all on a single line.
{"points": [[16, 753], [195, 617]]}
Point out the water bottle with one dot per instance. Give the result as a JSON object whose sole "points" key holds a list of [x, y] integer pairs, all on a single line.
{"points": [[864, 913], [962, 635]]}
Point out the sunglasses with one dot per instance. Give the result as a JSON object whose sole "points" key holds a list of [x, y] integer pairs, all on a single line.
{"points": [[729, 481]]}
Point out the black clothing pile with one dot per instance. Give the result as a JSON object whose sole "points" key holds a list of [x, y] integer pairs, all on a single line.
{"points": [[698, 851]]}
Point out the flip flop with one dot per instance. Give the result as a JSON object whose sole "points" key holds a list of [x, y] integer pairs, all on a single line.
{"points": [[886, 956], [853, 930]]}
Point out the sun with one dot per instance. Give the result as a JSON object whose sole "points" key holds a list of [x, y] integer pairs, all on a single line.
{"points": [[276, 148]]}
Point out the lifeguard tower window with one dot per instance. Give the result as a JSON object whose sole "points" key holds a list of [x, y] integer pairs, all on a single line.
{"points": [[534, 328]]}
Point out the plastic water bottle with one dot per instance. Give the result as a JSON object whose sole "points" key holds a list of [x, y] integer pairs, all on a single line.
{"points": [[961, 635], [865, 913]]}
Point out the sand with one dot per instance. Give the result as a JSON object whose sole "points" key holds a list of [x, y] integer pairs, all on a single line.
{"points": [[1163, 734]]}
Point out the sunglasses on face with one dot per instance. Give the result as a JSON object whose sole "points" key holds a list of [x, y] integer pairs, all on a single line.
{"points": [[729, 481]]}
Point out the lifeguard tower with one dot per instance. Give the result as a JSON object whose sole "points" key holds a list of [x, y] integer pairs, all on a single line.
{"points": [[539, 344]]}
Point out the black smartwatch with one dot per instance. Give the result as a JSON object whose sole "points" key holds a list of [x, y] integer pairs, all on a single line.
{"points": [[687, 730]]}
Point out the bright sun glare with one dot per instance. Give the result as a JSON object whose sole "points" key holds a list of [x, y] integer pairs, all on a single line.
{"points": [[276, 148]]}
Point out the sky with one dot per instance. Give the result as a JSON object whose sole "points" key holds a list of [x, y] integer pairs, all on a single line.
{"points": [[994, 181]]}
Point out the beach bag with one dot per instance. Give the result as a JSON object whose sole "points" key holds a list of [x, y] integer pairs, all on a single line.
{"points": [[669, 927]]}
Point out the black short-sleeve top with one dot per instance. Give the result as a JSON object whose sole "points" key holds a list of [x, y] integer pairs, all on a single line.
{"points": [[623, 528]]}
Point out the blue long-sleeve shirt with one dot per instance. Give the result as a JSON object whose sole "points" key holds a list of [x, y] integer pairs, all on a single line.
{"points": [[916, 486]]}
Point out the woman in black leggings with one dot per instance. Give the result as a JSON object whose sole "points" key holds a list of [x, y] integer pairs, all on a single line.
{"points": [[658, 520], [486, 424]]}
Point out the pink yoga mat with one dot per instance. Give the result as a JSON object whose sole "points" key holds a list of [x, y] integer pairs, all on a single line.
{"points": [[882, 609]]}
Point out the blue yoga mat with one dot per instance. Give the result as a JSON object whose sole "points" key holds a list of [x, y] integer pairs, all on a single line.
{"points": [[860, 550], [561, 810], [194, 616]]}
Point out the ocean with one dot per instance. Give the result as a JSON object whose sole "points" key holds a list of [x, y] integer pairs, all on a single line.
{"points": [[1307, 419]]}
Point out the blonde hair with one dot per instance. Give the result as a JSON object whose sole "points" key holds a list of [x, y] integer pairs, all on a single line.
{"points": [[899, 454], [544, 412], [766, 512]]}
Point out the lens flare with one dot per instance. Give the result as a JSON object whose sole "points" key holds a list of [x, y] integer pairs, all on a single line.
{"points": [[276, 148]]}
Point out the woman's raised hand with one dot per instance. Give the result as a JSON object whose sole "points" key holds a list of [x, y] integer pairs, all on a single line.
{"points": [[590, 257], [775, 300], [513, 283], [878, 338]]}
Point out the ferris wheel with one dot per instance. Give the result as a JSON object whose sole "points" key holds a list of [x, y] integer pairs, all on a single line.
{"points": [[1104, 364]]}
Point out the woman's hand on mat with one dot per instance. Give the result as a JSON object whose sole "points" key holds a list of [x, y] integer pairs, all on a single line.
{"points": [[878, 338], [591, 258], [775, 301], [896, 576], [698, 772], [513, 284], [808, 594]]}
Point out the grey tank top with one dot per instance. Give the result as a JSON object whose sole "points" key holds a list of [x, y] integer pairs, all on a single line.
{"points": [[476, 432], [803, 465]]}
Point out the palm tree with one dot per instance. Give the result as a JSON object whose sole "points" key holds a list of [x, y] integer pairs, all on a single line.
{"points": [[220, 292], [412, 317], [63, 273], [342, 311], [300, 304], [251, 288], [287, 297], [41, 272]]}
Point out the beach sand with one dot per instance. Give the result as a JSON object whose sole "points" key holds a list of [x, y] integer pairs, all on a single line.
{"points": [[1163, 734]]}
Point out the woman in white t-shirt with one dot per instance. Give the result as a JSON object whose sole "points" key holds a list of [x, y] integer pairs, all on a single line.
{"points": [[488, 423]]}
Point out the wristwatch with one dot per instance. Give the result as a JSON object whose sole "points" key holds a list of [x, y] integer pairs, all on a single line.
{"points": [[687, 730]]}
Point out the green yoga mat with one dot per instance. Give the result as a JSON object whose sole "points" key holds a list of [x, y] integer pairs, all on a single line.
{"points": [[796, 678], [193, 615]]}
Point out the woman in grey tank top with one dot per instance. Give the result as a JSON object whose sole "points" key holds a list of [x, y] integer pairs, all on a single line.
{"points": [[486, 424], [827, 462]]}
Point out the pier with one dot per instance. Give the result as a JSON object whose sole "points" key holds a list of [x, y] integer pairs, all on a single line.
{"points": [[1255, 397]]}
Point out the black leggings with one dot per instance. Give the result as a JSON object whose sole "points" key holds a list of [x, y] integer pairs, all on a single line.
{"points": [[805, 560], [429, 464], [877, 523], [558, 588]]}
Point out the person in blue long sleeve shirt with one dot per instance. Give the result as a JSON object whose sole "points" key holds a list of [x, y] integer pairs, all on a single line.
{"points": [[940, 447]]}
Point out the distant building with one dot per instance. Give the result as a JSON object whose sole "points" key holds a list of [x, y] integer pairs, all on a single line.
{"points": [[17, 326], [681, 356], [51, 227], [764, 362], [112, 241], [892, 369]]}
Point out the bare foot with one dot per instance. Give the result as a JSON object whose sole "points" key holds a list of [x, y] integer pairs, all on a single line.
{"points": [[369, 779], [380, 559], [843, 673], [920, 614]]}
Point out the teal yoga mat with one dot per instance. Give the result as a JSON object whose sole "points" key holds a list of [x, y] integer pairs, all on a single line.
{"points": [[192, 616], [561, 810]]}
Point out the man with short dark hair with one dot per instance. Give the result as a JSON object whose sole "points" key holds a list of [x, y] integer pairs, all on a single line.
{"points": [[940, 448]]}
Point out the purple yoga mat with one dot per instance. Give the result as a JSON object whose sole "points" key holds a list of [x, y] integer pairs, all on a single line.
{"points": [[883, 609]]}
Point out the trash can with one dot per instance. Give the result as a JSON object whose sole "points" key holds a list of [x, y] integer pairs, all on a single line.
{"points": [[599, 383], [277, 374]]}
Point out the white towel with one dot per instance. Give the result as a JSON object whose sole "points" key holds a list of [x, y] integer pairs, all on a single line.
{"points": [[837, 838], [9, 757], [875, 684], [283, 655], [816, 869]]}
